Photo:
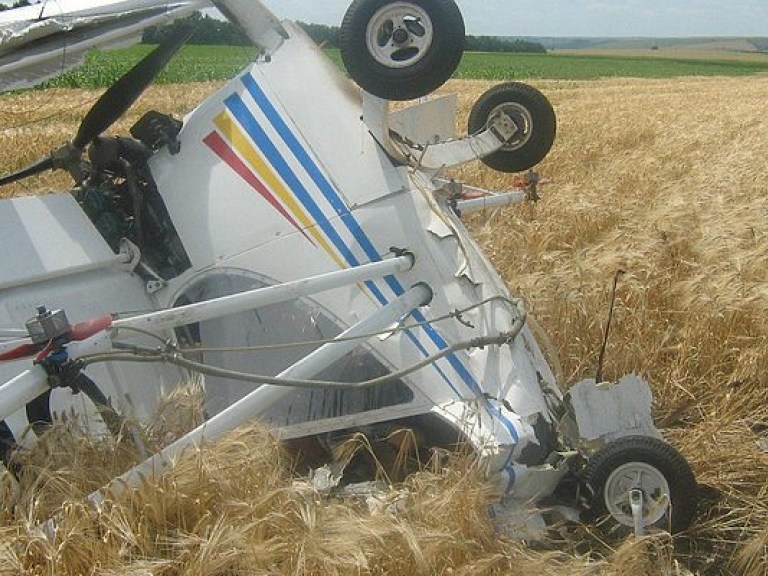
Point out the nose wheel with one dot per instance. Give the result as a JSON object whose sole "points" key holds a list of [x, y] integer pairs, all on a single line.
{"points": [[637, 495], [639, 483]]}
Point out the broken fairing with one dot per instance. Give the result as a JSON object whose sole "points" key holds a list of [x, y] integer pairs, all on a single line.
{"points": [[306, 254], [43, 40]]}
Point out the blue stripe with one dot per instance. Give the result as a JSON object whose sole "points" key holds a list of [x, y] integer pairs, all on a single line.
{"points": [[314, 172], [466, 375], [245, 118], [512, 475], [336, 202], [341, 209], [425, 352]]}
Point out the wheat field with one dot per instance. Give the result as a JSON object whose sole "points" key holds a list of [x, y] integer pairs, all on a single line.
{"points": [[664, 179], [727, 50]]}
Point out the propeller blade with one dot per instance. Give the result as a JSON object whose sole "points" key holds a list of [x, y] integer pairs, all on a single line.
{"points": [[122, 94], [112, 104], [40, 166]]}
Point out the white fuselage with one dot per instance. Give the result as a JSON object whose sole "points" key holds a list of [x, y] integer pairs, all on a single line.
{"points": [[279, 178]]}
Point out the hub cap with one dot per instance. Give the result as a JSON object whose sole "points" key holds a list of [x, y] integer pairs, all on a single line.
{"points": [[520, 115], [637, 476], [399, 35]]}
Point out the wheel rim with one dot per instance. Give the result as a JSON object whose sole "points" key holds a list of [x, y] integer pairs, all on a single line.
{"points": [[637, 476], [522, 118], [399, 35]]}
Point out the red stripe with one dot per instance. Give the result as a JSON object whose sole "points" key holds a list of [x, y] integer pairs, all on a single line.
{"points": [[86, 329], [21, 351], [80, 331], [216, 143]]}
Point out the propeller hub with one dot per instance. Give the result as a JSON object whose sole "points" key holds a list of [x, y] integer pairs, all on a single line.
{"points": [[69, 158]]}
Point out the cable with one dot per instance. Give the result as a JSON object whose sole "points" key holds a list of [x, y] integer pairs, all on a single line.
{"points": [[403, 328], [178, 360], [109, 415], [173, 356]]}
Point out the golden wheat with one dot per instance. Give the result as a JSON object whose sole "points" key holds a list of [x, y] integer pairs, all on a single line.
{"points": [[665, 179]]}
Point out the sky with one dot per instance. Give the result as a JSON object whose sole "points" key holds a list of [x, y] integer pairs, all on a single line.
{"points": [[596, 18], [591, 18]]}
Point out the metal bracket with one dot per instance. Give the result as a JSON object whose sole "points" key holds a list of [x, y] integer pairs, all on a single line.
{"points": [[131, 255], [435, 155], [154, 286], [502, 126], [154, 283], [636, 505], [47, 325]]}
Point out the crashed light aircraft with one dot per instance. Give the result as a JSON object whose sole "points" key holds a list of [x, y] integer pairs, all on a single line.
{"points": [[300, 244]]}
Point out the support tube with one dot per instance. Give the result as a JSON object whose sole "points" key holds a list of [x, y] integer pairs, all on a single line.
{"points": [[19, 391], [261, 399], [492, 201], [236, 303]]}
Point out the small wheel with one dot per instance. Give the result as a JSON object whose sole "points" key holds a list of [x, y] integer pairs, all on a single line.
{"points": [[402, 50], [650, 466], [534, 117]]}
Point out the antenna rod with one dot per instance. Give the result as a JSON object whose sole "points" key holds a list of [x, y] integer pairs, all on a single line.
{"points": [[601, 359]]}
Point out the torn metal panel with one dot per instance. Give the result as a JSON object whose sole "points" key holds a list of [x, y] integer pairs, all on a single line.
{"points": [[600, 413], [427, 122], [39, 43]]}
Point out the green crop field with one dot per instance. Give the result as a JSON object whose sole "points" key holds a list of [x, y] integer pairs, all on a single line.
{"points": [[201, 63], [499, 66], [191, 64]]}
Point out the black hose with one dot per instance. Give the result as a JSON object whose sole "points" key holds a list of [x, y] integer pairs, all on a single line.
{"points": [[142, 354], [7, 447], [39, 413], [113, 420]]}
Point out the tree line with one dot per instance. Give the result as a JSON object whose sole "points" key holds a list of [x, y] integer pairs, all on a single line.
{"points": [[213, 31]]}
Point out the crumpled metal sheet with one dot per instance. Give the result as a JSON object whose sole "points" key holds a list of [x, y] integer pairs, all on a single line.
{"points": [[603, 412], [41, 41]]}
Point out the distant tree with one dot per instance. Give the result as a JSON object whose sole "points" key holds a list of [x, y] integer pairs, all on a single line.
{"points": [[214, 31], [495, 44], [207, 31], [325, 36], [760, 44]]}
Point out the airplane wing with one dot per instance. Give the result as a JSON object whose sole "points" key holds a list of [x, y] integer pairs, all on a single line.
{"points": [[43, 40]]}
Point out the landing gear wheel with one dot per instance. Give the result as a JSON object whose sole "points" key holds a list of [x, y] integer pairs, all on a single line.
{"points": [[536, 124], [650, 466], [402, 50]]}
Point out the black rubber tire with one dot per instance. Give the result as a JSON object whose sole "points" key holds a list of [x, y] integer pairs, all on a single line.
{"points": [[535, 119], [427, 73], [652, 452]]}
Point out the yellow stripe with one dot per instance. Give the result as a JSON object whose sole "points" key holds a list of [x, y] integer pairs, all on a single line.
{"points": [[236, 137]]}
